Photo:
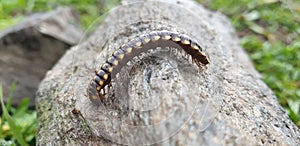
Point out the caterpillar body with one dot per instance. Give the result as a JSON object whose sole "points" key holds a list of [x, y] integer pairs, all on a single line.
{"points": [[133, 48]]}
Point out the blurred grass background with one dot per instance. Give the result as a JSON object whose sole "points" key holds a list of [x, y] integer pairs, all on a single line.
{"points": [[269, 32]]}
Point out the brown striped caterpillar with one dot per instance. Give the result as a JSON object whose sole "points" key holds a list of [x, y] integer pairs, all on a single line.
{"points": [[133, 48]]}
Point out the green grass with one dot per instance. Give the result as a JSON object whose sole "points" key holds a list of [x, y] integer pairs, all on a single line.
{"points": [[18, 124], [14, 11], [269, 31]]}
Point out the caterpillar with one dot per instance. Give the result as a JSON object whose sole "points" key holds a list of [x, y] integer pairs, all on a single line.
{"points": [[133, 48]]}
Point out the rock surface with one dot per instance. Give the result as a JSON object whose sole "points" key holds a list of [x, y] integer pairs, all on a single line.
{"points": [[29, 49], [168, 100]]}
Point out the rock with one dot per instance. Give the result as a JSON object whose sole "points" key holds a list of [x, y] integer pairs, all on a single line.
{"points": [[29, 49], [164, 99]]}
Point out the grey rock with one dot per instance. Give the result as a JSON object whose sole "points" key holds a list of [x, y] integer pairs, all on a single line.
{"points": [[164, 99], [29, 49]]}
